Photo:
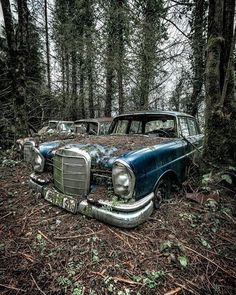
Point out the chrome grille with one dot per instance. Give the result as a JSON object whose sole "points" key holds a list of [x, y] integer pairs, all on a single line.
{"points": [[72, 171], [28, 151]]}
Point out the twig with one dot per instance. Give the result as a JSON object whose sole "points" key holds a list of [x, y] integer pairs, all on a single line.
{"points": [[12, 288], [27, 256], [229, 217], [40, 290], [35, 211], [211, 261], [119, 279], [226, 239], [46, 238], [121, 238], [183, 287], [129, 235], [78, 236], [173, 292], [6, 215], [46, 220]]}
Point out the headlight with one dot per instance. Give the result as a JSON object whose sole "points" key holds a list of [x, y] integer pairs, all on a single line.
{"points": [[123, 179], [19, 147], [38, 160]]}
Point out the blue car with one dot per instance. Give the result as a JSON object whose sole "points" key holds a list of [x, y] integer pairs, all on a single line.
{"points": [[120, 178]]}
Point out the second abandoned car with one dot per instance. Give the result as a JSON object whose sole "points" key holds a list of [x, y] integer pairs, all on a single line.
{"points": [[82, 128], [121, 177]]}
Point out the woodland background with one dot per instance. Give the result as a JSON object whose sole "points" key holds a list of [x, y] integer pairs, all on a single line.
{"points": [[70, 59], [81, 58]]}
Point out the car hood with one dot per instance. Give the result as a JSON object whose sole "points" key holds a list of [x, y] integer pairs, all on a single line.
{"points": [[47, 148], [104, 150]]}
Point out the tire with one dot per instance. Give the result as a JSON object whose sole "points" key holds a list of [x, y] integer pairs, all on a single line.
{"points": [[162, 191]]}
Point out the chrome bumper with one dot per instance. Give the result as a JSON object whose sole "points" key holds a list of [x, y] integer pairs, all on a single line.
{"points": [[121, 215], [37, 183], [123, 219]]}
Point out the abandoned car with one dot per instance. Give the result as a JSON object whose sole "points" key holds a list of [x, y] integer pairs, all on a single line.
{"points": [[83, 127], [120, 178], [53, 129]]}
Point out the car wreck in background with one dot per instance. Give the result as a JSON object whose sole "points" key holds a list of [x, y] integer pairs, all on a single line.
{"points": [[82, 128], [53, 127], [120, 178]]}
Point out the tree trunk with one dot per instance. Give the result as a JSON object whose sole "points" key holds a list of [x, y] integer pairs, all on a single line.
{"points": [[90, 55], [220, 135], [74, 96], [47, 46], [81, 87], [63, 77], [17, 59], [67, 66], [198, 46], [110, 67], [148, 51], [120, 54]]}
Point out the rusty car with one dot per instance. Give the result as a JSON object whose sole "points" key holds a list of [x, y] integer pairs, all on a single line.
{"points": [[120, 178]]}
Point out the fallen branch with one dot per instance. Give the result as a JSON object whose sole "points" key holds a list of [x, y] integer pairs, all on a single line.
{"points": [[211, 261], [121, 238], [37, 286], [119, 279], [6, 215], [12, 288], [46, 238], [27, 256], [173, 292]]}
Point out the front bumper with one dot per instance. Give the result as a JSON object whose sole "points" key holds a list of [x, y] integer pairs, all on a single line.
{"points": [[120, 215]]}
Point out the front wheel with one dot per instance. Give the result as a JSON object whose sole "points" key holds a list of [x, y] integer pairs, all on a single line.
{"points": [[162, 191]]}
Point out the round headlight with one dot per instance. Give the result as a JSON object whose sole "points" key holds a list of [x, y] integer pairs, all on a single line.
{"points": [[123, 179], [38, 161]]}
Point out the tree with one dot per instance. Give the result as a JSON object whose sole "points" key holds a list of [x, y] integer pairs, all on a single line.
{"points": [[18, 54], [220, 115], [47, 46], [198, 47], [152, 32]]}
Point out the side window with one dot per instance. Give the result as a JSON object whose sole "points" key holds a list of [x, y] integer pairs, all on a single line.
{"points": [[121, 127], [192, 127], [184, 126], [135, 127]]}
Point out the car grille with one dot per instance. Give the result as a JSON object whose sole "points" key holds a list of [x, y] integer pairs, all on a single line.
{"points": [[28, 152], [72, 171]]}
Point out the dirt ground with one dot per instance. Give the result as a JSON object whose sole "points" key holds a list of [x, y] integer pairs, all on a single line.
{"points": [[184, 248]]}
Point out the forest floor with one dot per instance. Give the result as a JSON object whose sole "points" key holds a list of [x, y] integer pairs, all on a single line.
{"points": [[184, 248]]}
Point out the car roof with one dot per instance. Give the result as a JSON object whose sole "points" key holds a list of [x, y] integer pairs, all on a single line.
{"points": [[150, 113], [96, 120]]}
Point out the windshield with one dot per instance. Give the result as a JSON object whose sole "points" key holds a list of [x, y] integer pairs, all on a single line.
{"points": [[104, 128], [90, 128], [52, 125], [65, 127], [158, 125]]}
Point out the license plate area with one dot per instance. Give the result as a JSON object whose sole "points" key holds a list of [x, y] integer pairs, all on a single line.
{"points": [[66, 202]]}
